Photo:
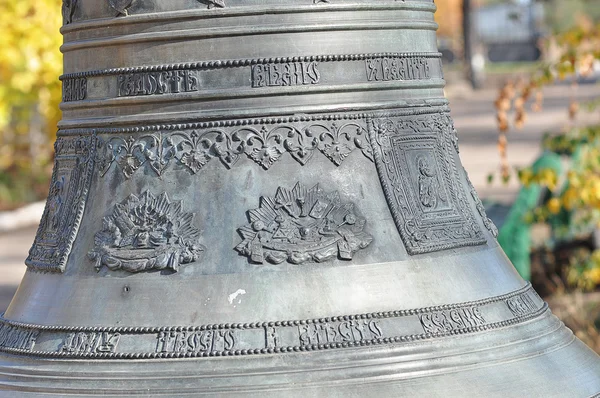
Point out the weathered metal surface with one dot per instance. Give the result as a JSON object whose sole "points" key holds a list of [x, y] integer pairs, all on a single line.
{"points": [[264, 197]]}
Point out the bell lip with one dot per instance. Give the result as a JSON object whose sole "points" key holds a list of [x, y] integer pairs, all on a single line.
{"points": [[372, 329], [541, 348]]}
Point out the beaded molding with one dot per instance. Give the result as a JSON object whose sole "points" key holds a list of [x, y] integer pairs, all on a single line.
{"points": [[413, 108], [236, 63], [263, 331]]}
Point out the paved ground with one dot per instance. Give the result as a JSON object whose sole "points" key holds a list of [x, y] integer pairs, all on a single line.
{"points": [[474, 117]]}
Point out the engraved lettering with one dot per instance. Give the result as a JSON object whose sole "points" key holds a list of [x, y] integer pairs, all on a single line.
{"points": [[446, 321], [74, 89], [521, 305], [395, 68], [272, 337], [196, 342], [339, 332], [91, 342], [156, 83], [16, 338], [285, 74]]}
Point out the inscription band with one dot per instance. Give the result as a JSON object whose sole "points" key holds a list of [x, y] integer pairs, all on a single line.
{"points": [[270, 337], [255, 74]]}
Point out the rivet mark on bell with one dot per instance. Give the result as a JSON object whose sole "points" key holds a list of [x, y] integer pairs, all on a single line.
{"points": [[413, 154], [145, 234], [73, 166], [121, 6], [303, 225]]}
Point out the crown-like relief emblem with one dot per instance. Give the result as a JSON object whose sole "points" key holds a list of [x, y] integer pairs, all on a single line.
{"points": [[303, 225], [145, 234]]}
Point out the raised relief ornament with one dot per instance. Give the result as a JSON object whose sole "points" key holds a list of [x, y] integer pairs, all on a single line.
{"points": [[303, 225], [146, 234], [413, 154], [68, 10], [60, 222]]}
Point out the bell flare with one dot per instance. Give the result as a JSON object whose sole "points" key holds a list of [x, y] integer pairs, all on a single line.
{"points": [[265, 198]]}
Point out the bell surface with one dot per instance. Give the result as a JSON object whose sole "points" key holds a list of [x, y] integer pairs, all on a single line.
{"points": [[265, 198]]}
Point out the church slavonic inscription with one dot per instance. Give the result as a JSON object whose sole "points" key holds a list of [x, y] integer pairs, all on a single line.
{"points": [[521, 305], [74, 89], [16, 338], [396, 68], [204, 341], [285, 74], [91, 342], [339, 332], [156, 83], [272, 338], [275, 337], [446, 321]]}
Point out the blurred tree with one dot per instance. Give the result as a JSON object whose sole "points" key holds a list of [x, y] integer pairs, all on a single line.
{"points": [[30, 92], [449, 18], [562, 15]]}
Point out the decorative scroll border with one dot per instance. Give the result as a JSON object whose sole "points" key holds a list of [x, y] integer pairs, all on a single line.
{"points": [[524, 304]]}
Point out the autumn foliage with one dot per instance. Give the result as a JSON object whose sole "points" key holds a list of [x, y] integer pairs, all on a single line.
{"points": [[30, 92]]}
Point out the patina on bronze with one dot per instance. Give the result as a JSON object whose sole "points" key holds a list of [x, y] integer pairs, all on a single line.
{"points": [[265, 198]]}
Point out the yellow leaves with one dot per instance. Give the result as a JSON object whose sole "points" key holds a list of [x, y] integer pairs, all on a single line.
{"points": [[30, 63], [526, 177], [554, 205], [546, 177]]}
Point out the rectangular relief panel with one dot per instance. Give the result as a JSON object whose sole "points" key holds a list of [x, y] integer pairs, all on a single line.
{"points": [[415, 157]]}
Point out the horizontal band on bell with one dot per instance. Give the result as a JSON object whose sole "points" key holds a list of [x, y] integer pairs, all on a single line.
{"points": [[403, 107], [247, 31], [234, 63], [164, 82], [248, 9], [264, 94], [234, 339]]}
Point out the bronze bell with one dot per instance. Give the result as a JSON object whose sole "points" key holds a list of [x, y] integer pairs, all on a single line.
{"points": [[265, 198]]}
